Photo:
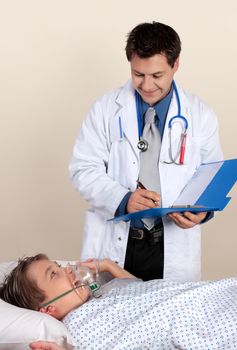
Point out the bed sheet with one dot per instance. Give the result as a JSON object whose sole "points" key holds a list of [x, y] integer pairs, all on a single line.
{"points": [[159, 315]]}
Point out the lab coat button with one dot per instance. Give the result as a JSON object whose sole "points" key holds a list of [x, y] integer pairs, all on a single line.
{"points": [[119, 238]]}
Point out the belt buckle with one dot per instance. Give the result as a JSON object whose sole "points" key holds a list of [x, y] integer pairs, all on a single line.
{"points": [[155, 234], [139, 233]]}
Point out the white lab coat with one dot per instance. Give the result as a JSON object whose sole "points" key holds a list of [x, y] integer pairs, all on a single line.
{"points": [[105, 166]]}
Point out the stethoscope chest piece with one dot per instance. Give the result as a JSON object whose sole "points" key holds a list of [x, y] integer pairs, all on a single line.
{"points": [[142, 145]]}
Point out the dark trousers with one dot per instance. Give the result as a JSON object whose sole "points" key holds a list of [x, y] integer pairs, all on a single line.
{"points": [[145, 260]]}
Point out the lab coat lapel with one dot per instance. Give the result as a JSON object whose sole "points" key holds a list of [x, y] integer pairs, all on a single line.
{"points": [[127, 110]]}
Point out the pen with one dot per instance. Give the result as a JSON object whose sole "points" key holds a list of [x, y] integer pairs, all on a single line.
{"points": [[120, 128], [141, 186], [187, 206]]}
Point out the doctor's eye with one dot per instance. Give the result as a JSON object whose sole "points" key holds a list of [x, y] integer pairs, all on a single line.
{"points": [[140, 75], [157, 76]]}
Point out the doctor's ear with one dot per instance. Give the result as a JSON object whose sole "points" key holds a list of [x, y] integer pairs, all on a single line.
{"points": [[176, 64], [50, 310]]}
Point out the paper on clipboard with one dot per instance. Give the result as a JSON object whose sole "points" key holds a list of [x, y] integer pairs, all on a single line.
{"points": [[206, 191], [198, 183]]}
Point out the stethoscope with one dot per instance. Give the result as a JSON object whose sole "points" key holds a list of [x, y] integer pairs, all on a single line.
{"points": [[143, 144]]}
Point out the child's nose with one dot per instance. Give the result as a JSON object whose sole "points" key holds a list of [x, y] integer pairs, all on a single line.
{"points": [[70, 274], [68, 270]]}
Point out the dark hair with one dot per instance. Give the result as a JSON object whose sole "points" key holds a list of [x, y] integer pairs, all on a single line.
{"points": [[149, 39], [18, 289]]}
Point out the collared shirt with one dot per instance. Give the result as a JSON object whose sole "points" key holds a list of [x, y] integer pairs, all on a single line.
{"points": [[161, 108]]}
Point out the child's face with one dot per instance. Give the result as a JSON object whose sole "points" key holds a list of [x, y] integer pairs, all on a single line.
{"points": [[54, 281]]}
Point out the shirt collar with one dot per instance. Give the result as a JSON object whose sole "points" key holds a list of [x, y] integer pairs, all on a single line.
{"points": [[161, 106]]}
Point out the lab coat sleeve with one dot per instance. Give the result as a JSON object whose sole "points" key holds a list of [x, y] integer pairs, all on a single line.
{"points": [[89, 164], [121, 210]]}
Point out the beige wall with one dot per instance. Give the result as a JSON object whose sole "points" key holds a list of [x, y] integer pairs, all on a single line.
{"points": [[56, 58]]}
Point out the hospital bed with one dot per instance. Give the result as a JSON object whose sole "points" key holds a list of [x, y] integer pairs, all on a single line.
{"points": [[200, 314]]}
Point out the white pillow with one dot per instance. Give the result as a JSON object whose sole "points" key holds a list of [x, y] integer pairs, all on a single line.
{"points": [[19, 327], [5, 269]]}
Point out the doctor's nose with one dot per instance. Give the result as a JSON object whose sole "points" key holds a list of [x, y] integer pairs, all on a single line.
{"points": [[147, 84]]}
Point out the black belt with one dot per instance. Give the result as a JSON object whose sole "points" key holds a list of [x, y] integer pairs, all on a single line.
{"points": [[154, 235]]}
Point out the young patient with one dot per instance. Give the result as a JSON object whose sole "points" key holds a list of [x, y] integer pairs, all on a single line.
{"points": [[130, 314], [36, 280]]}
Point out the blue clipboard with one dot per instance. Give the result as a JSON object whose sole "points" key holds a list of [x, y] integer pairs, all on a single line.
{"points": [[207, 190]]}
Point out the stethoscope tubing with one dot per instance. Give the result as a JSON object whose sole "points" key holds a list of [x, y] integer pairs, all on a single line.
{"points": [[139, 115], [142, 146]]}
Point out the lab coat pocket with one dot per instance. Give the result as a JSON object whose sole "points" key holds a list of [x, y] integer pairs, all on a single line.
{"points": [[174, 177], [93, 235], [98, 237], [116, 129], [192, 156]]}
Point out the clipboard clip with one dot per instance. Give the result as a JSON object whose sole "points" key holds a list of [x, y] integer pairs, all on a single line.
{"points": [[187, 206]]}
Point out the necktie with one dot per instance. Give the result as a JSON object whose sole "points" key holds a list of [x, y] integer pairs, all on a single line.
{"points": [[149, 172]]}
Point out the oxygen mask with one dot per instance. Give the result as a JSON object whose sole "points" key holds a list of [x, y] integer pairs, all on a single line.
{"points": [[84, 277]]}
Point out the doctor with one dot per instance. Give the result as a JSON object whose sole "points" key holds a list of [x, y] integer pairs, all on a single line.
{"points": [[107, 161]]}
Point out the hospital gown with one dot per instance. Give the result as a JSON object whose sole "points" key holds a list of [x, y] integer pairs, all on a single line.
{"points": [[158, 315]]}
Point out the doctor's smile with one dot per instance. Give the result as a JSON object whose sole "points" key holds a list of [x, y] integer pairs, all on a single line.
{"points": [[152, 77], [147, 93]]}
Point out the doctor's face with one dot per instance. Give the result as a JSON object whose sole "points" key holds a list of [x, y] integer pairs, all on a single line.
{"points": [[152, 77]]}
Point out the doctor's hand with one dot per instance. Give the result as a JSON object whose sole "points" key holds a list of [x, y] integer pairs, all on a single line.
{"points": [[142, 199], [187, 219]]}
